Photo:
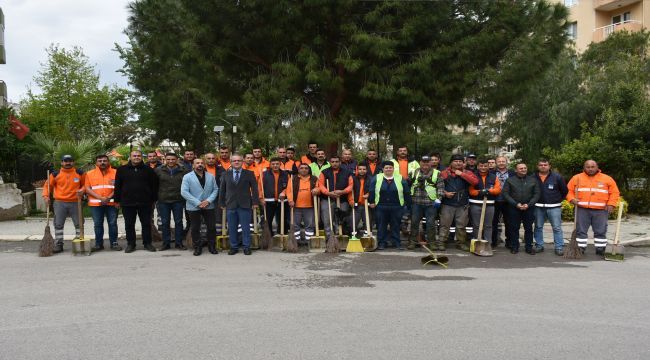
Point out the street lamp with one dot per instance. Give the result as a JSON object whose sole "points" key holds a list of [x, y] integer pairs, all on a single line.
{"points": [[217, 130], [232, 113]]}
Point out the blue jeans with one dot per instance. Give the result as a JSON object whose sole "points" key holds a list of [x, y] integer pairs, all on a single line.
{"points": [[175, 209], [236, 217], [387, 214], [554, 216], [99, 212]]}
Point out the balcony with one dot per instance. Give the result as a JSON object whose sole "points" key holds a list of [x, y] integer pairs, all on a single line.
{"points": [[608, 5], [602, 33]]}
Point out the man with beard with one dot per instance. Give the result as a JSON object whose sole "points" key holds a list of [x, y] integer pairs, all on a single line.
{"points": [[199, 190], [100, 185], [136, 190], [67, 184]]}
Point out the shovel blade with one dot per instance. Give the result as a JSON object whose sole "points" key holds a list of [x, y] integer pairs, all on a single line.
{"points": [[615, 252]]}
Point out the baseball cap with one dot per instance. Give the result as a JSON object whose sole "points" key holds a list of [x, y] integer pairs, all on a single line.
{"points": [[67, 158], [425, 158], [473, 156]]}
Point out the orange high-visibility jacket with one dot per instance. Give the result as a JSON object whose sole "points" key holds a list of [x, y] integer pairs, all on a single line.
{"points": [[593, 192], [103, 184], [65, 183]]}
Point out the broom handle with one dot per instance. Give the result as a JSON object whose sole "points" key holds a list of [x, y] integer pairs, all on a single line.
{"points": [[81, 219], [480, 226], [47, 205], [282, 218], [338, 205], [223, 222], [354, 224], [255, 220], [618, 222], [329, 207], [367, 219], [316, 213]]}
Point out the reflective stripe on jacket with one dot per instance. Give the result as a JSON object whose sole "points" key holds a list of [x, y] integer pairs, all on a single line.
{"points": [[593, 192]]}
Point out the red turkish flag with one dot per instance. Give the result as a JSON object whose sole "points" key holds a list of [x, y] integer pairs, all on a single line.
{"points": [[17, 128]]}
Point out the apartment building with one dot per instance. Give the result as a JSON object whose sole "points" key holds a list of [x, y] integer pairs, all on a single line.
{"points": [[595, 20]]}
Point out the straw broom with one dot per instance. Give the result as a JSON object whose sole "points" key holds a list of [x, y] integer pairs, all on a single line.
{"points": [[46, 247], [333, 245], [267, 238], [573, 250], [292, 243]]}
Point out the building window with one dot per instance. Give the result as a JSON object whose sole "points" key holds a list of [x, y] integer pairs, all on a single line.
{"points": [[572, 31], [626, 16], [570, 3]]}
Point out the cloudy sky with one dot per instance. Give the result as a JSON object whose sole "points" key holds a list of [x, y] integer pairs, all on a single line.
{"points": [[32, 25]]}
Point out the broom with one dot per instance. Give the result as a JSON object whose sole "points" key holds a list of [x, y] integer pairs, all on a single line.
{"points": [[333, 242], [292, 243], [46, 247], [573, 250], [354, 243], [267, 238]]}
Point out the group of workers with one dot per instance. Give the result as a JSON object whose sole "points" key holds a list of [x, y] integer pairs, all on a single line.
{"points": [[449, 200]]}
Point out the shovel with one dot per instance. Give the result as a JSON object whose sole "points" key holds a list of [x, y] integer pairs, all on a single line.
{"points": [[369, 243], [481, 247], [317, 241], [81, 246], [223, 242], [616, 252], [255, 236], [280, 240]]}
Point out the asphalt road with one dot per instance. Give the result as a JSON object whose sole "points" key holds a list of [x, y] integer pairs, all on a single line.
{"points": [[171, 305]]}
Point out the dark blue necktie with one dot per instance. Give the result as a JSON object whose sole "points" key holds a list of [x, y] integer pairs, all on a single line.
{"points": [[236, 176]]}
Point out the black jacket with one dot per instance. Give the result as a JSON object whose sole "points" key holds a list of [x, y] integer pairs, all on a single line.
{"points": [[521, 190], [552, 190], [135, 185], [243, 194]]}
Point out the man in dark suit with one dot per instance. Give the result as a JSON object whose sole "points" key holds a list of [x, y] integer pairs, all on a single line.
{"points": [[238, 196]]}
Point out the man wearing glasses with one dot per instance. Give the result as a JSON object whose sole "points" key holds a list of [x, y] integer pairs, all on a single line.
{"points": [[238, 196]]}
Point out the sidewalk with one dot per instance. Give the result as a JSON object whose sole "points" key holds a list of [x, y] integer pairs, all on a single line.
{"points": [[634, 230]]}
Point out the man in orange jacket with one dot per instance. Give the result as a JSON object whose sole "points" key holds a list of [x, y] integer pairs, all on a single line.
{"points": [[595, 194], [100, 185], [301, 190], [67, 184]]}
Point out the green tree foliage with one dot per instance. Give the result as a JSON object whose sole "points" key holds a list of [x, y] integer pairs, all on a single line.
{"points": [[282, 63], [71, 103], [615, 84], [576, 91]]}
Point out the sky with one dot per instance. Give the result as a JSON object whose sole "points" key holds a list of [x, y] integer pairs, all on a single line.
{"points": [[32, 25]]}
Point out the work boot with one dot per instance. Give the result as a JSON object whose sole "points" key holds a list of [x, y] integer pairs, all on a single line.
{"points": [[600, 251], [97, 248], [411, 246], [198, 250], [165, 247], [149, 248], [129, 248], [212, 247], [439, 246], [462, 247], [559, 252], [116, 247], [539, 249], [58, 248]]}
